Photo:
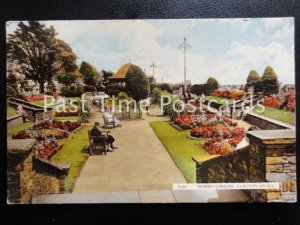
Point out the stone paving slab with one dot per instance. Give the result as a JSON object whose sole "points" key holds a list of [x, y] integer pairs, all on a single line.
{"points": [[102, 197]]}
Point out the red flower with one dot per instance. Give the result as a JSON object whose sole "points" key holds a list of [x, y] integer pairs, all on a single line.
{"points": [[272, 101]]}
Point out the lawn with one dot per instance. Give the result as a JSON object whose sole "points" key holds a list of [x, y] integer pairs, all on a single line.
{"points": [[66, 117], [10, 112], [276, 114], [179, 147], [73, 152], [41, 102], [218, 99], [18, 128]]}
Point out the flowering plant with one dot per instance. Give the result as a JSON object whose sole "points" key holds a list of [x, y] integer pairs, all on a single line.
{"points": [[217, 146], [47, 148], [272, 101], [230, 94], [205, 132], [63, 125], [68, 112], [290, 106], [185, 121]]}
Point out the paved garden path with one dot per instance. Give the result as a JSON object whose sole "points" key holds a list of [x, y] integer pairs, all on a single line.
{"points": [[140, 163], [140, 170]]}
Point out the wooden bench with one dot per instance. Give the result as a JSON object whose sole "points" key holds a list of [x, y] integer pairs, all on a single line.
{"points": [[99, 147]]}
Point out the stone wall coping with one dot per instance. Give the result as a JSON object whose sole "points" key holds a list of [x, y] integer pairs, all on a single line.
{"points": [[283, 136], [13, 117], [199, 159], [20, 146], [288, 126]]}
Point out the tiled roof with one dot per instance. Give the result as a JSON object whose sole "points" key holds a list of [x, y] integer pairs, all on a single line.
{"points": [[121, 73]]}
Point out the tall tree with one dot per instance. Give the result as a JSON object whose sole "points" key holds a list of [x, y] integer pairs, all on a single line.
{"points": [[31, 46], [137, 84], [212, 84], [67, 62], [89, 73], [254, 80], [270, 81]]}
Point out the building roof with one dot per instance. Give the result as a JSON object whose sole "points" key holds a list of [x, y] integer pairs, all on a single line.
{"points": [[121, 73]]}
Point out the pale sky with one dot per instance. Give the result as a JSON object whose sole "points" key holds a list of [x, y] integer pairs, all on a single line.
{"points": [[226, 49]]}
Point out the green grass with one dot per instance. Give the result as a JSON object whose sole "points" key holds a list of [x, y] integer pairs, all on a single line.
{"points": [[219, 99], [18, 128], [179, 147], [41, 102], [73, 152], [276, 114], [10, 112]]}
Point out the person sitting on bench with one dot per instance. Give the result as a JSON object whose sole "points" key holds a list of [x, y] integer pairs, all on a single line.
{"points": [[109, 139]]}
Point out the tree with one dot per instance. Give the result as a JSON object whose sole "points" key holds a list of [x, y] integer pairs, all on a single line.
{"points": [[199, 89], [166, 87], [137, 84], [12, 80], [67, 60], [67, 78], [254, 80], [155, 97], [212, 84], [89, 73], [270, 81], [32, 47]]}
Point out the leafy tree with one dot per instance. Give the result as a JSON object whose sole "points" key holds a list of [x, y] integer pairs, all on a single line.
{"points": [[67, 60], [67, 78], [270, 81], [137, 84], [212, 84], [12, 80], [199, 89], [89, 73], [166, 87], [32, 47], [155, 97], [254, 80], [105, 76]]}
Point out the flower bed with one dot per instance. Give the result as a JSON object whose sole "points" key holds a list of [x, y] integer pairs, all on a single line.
{"points": [[63, 125], [230, 94], [41, 134], [47, 148], [220, 138], [189, 121], [290, 106], [33, 98], [67, 112], [272, 101], [47, 133]]}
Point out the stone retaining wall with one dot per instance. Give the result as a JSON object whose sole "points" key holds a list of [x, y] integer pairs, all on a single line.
{"points": [[265, 123], [25, 182], [14, 120], [232, 167], [270, 157]]}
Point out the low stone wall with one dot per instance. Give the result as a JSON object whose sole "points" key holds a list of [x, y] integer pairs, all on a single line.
{"points": [[265, 123], [270, 157], [232, 167], [23, 180], [14, 120]]}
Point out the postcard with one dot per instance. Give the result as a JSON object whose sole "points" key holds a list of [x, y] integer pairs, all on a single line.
{"points": [[151, 111]]}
